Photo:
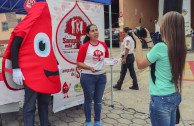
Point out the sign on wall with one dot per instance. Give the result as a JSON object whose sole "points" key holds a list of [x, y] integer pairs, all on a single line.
{"points": [[121, 21], [69, 21], [186, 12]]}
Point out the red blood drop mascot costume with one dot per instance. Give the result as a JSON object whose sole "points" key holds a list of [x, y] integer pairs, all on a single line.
{"points": [[31, 57]]}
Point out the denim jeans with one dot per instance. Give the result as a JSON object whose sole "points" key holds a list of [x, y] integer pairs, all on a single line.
{"points": [[93, 88], [29, 107], [163, 109]]}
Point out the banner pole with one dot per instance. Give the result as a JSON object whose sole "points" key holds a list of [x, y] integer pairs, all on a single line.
{"points": [[110, 32]]}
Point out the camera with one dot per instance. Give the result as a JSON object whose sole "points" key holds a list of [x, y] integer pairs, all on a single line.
{"points": [[139, 32]]}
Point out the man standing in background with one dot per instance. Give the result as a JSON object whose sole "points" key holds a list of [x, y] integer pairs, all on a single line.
{"points": [[127, 50]]}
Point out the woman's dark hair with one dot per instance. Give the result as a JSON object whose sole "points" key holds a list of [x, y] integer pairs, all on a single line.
{"points": [[86, 39], [127, 29], [172, 30]]}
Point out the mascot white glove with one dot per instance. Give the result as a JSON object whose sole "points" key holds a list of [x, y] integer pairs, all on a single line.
{"points": [[60, 70], [18, 76]]}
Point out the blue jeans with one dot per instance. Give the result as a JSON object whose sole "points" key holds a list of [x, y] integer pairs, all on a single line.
{"points": [[163, 109], [29, 107], [93, 88]]}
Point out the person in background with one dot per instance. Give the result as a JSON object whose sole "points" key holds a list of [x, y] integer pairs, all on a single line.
{"points": [[192, 32], [157, 27], [93, 77], [167, 61], [127, 50]]}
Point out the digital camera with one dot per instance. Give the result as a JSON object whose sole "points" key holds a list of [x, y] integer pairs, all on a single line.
{"points": [[139, 32]]}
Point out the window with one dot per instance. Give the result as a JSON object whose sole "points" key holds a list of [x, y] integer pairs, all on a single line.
{"points": [[19, 20], [5, 26]]}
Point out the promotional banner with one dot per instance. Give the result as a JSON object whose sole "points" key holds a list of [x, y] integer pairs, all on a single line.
{"points": [[186, 12], [69, 21]]}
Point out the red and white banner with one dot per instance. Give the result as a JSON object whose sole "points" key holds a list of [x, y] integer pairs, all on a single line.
{"points": [[186, 12], [9, 96], [69, 21]]}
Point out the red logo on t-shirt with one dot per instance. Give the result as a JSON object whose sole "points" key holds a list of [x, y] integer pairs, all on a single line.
{"points": [[97, 54]]}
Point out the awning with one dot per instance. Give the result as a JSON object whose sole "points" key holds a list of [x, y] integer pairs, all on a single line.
{"points": [[13, 6], [18, 5], [101, 1]]}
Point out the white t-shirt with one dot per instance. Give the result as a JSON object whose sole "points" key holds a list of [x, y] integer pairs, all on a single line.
{"points": [[128, 43], [157, 28], [93, 55], [122, 48]]}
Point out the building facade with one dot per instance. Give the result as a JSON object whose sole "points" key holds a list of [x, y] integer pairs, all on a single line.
{"points": [[142, 13], [5, 31], [139, 13]]}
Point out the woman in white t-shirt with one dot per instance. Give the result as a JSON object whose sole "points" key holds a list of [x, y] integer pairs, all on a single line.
{"points": [[93, 77]]}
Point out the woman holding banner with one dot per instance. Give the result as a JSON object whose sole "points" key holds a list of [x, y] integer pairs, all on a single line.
{"points": [[93, 77]]}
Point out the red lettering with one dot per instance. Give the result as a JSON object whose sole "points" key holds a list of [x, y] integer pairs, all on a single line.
{"points": [[64, 40], [78, 72], [72, 41]]}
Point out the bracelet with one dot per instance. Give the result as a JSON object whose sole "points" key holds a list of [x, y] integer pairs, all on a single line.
{"points": [[149, 41], [149, 47]]}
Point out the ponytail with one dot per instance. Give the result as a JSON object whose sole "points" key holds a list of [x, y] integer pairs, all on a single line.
{"points": [[86, 39]]}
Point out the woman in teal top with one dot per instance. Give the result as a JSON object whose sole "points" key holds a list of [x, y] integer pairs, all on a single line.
{"points": [[166, 60]]}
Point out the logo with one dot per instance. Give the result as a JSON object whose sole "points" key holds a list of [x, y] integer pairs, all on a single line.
{"points": [[28, 4], [71, 32], [184, 12], [127, 44], [75, 26], [65, 89], [97, 54], [121, 14]]}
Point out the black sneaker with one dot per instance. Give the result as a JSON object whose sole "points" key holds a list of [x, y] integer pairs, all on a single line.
{"points": [[117, 86], [134, 87]]}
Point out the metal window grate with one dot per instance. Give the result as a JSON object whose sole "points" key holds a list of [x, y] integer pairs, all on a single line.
{"points": [[5, 26]]}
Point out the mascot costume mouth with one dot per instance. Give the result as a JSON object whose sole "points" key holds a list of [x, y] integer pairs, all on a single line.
{"points": [[36, 57]]}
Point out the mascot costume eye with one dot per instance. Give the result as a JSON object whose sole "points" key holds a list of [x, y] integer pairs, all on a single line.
{"points": [[36, 57]]}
